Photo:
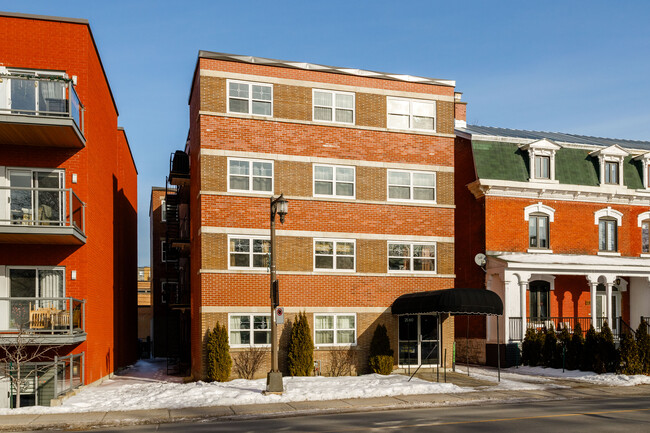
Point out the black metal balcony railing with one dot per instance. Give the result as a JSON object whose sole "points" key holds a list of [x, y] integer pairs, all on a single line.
{"points": [[42, 315], [559, 323], [48, 96], [42, 207]]}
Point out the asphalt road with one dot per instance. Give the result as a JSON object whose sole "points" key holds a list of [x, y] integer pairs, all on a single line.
{"points": [[625, 414]]}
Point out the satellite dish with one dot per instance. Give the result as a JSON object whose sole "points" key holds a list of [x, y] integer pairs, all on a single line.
{"points": [[480, 259]]}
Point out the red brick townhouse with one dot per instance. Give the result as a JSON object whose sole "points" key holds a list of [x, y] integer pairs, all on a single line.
{"points": [[67, 208], [365, 160], [564, 222]]}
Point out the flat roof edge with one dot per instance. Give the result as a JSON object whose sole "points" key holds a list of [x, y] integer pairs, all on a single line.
{"points": [[44, 17]]}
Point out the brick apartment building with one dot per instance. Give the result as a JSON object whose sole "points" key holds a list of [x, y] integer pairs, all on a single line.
{"points": [[366, 162], [145, 310], [68, 187], [564, 222]]}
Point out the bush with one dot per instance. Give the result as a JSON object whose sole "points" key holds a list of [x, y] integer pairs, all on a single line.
{"points": [[562, 348], [531, 348], [629, 356], [549, 348], [301, 348], [574, 352], [607, 351], [381, 364], [589, 350], [643, 346], [341, 363], [247, 362], [219, 360]]}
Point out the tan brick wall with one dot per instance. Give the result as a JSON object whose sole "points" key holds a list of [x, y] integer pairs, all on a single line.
{"points": [[293, 178], [370, 110], [445, 112], [292, 102], [295, 254], [214, 173], [371, 183], [214, 251], [371, 256], [445, 262], [471, 350], [213, 94], [445, 185]]}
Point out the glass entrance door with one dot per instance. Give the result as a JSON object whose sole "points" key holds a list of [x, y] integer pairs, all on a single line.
{"points": [[36, 197], [418, 339]]}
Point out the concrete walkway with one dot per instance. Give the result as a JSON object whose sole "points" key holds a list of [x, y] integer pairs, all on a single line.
{"points": [[89, 420]]}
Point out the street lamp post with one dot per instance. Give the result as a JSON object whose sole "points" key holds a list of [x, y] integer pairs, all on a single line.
{"points": [[274, 378]]}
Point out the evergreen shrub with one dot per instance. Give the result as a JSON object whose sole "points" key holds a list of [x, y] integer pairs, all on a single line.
{"points": [[643, 346], [590, 350], [607, 359], [300, 355], [218, 352], [549, 348], [574, 351], [629, 357], [380, 358]]}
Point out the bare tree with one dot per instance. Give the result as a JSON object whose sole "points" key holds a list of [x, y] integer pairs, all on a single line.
{"points": [[23, 349], [248, 361], [341, 362]]}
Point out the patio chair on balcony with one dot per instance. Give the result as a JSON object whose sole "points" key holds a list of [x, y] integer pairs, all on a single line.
{"points": [[39, 318]]}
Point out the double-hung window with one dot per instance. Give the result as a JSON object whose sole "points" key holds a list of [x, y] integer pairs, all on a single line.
{"points": [[611, 173], [247, 175], [250, 98], [333, 106], [163, 210], [248, 252], [333, 255], [334, 181], [411, 257], [249, 330], [411, 186], [538, 231], [645, 236], [608, 235], [411, 114], [542, 167], [335, 329]]}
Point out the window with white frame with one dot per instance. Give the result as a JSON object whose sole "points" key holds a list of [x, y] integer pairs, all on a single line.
{"points": [[167, 254], [538, 231], [334, 181], [411, 185], [611, 164], [411, 257], [250, 98], [33, 288], [248, 252], [249, 330], [645, 236], [542, 167], [332, 106], [608, 235], [611, 172], [335, 329], [163, 210], [168, 290], [334, 255], [411, 114], [541, 159], [247, 175]]}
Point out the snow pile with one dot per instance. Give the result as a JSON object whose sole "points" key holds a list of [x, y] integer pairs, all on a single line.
{"points": [[608, 379], [510, 380]]}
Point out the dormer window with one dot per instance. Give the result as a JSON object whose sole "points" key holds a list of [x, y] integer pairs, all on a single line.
{"points": [[645, 160], [541, 155], [611, 164]]}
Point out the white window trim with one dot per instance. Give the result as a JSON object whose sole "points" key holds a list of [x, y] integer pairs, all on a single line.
{"points": [[333, 107], [250, 97], [411, 271], [162, 253], [645, 160], [250, 253], [335, 241], [410, 101], [335, 329], [642, 217], [252, 343], [542, 147], [163, 210], [412, 200], [613, 153], [539, 208], [250, 176], [162, 290], [608, 212], [334, 195]]}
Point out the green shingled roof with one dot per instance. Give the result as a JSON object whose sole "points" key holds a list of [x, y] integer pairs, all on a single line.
{"points": [[505, 161]]}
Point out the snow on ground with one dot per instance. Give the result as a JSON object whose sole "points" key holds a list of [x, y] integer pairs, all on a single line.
{"points": [[609, 379], [509, 379]]}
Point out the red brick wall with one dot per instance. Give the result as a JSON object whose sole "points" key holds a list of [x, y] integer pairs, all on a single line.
{"points": [[107, 183]]}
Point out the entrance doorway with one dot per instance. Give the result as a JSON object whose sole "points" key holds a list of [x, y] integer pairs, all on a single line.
{"points": [[418, 340], [601, 307]]}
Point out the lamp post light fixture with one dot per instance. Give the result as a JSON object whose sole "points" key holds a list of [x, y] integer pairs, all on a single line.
{"points": [[274, 384]]}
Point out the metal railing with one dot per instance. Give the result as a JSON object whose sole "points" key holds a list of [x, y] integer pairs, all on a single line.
{"points": [[48, 96], [69, 373], [44, 207], [42, 315], [559, 323]]}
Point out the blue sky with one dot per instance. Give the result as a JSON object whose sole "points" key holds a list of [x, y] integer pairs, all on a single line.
{"points": [[572, 66]]}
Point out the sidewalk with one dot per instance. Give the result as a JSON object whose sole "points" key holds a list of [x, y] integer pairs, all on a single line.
{"points": [[87, 420]]}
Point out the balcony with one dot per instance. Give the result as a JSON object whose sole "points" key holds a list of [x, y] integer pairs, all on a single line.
{"points": [[40, 111], [179, 168], [41, 320], [559, 323], [41, 216]]}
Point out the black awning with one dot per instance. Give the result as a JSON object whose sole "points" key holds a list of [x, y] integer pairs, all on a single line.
{"points": [[452, 301]]}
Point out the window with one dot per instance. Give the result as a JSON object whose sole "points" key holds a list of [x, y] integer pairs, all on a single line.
{"points": [[412, 257], [163, 211], [334, 181], [542, 167], [250, 330], [611, 173], [411, 185], [26, 283], [36, 197], [538, 231], [607, 235], [335, 329], [247, 252], [333, 106], [539, 299], [250, 175], [411, 114], [168, 290], [645, 237], [333, 255], [168, 253], [250, 98]]}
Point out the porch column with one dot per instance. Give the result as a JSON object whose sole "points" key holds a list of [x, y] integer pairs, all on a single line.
{"points": [[523, 286], [609, 286], [593, 286]]}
